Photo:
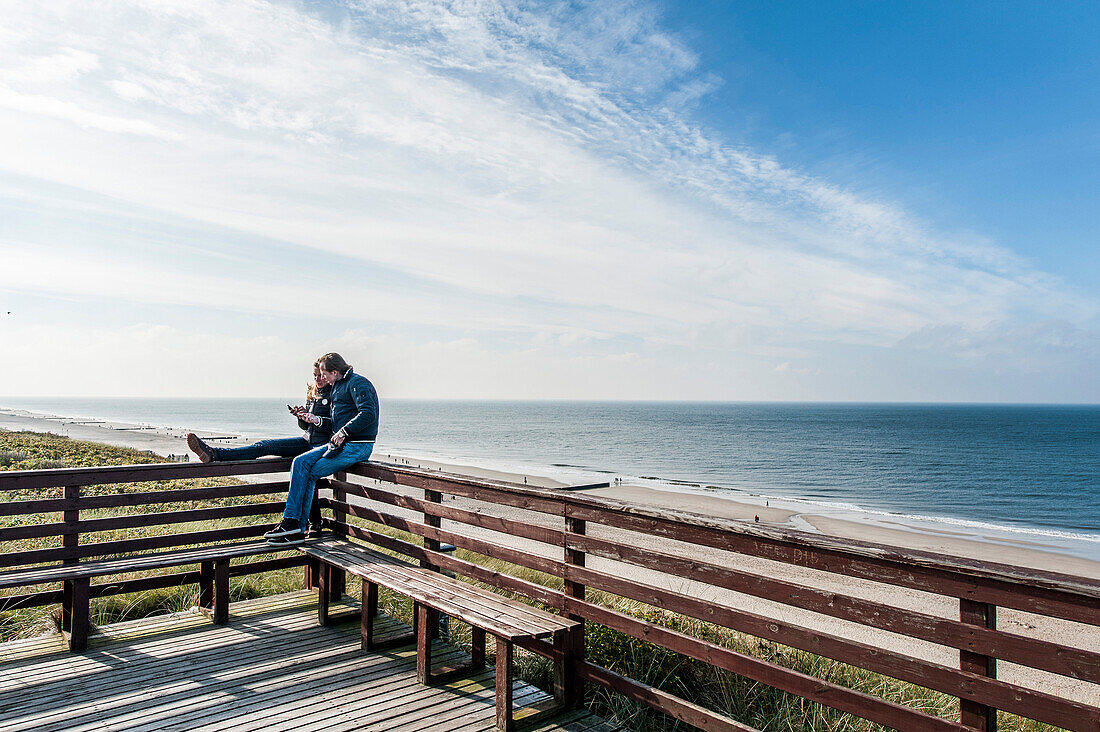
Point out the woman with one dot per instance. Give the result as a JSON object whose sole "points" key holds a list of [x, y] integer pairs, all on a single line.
{"points": [[314, 418]]}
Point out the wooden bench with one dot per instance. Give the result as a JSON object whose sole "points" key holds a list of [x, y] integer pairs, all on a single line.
{"points": [[508, 621], [213, 564]]}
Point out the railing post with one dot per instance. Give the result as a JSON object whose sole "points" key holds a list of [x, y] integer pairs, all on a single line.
{"points": [[433, 521], [432, 545], [979, 716], [70, 539], [573, 694], [337, 578]]}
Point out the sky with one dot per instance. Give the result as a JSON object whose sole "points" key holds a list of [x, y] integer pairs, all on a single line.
{"points": [[843, 201]]}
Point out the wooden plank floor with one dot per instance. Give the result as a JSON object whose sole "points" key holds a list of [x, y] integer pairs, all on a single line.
{"points": [[271, 668]]}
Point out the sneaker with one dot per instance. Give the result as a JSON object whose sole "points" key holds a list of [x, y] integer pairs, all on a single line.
{"points": [[200, 448], [315, 530], [284, 527], [290, 539]]}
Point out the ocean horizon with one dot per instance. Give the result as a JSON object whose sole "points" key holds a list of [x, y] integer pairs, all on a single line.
{"points": [[1029, 470]]}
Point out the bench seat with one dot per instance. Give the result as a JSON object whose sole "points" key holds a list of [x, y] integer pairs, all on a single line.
{"points": [[508, 621], [213, 564]]}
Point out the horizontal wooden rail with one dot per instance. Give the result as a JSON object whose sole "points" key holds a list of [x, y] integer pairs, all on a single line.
{"points": [[489, 549], [140, 520], [553, 537], [127, 500], [126, 546], [1081, 604], [1015, 699], [19, 480], [1045, 655]]}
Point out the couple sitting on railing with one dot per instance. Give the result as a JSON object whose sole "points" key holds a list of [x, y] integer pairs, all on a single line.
{"points": [[341, 422]]}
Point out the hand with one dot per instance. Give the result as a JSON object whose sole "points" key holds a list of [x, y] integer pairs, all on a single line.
{"points": [[338, 439], [311, 418]]}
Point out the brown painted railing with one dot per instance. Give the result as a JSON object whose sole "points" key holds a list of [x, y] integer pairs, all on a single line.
{"points": [[77, 534], [591, 543]]}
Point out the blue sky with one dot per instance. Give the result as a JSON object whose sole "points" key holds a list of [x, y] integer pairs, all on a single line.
{"points": [[619, 200], [980, 116]]}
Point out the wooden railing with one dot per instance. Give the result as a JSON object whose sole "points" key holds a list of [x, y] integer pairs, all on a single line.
{"points": [[811, 592], [78, 537]]}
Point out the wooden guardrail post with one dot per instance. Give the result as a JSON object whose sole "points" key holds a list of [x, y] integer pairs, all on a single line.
{"points": [[431, 545], [70, 539], [979, 716], [572, 686], [337, 578]]}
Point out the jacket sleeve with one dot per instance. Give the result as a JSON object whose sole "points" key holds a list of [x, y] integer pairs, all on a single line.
{"points": [[365, 421]]}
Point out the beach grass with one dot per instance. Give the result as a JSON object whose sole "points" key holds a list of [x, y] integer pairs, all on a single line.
{"points": [[739, 698]]}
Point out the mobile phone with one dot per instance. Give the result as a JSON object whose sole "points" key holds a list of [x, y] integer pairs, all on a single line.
{"points": [[290, 409]]}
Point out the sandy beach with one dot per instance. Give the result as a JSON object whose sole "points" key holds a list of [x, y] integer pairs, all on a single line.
{"points": [[171, 441]]}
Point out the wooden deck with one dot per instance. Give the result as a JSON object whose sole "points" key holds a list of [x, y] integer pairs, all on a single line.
{"points": [[271, 668]]}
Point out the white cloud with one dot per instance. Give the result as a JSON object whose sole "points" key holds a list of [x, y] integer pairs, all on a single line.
{"points": [[532, 170]]}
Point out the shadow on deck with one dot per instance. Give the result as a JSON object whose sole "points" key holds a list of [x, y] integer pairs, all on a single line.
{"points": [[271, 668]]}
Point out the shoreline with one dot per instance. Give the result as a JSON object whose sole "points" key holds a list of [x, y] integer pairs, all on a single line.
{"points": [[988, 543], [713, 505]]}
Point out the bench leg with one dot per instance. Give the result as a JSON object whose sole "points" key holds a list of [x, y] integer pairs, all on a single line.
{"points": [[561, 648], [206, 586], [66, 606], [477, 647], [504, 685], [309, 576], [78, 614], [322, 578], [337, 583], [369, 610], [423, 643], [221, 591]]}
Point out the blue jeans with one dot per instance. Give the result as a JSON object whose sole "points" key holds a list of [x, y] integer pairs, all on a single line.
{"points": [[310, 466], [284, 447]]}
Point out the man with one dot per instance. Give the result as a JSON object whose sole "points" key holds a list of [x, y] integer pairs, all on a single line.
{"points": [[354, 423]]}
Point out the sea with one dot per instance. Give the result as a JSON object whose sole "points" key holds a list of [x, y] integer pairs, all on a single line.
{"points": [[1000, 472]]}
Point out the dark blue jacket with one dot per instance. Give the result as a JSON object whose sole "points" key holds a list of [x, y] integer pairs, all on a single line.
{"points": [[354, 407], [321, 407]]}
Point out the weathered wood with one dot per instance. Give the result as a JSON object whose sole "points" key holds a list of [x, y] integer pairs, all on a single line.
{"points": [[499, 615], [504, 685], [1062, 596], [477, 646], [368, 609], [272, 668], [477, 546], [140, 520], [500, 524], [120, 500], [423, 644], [573, 685], [103, 567], [979, 716], [221, 591], [1048, 656], [21, 480], [78, 614], [492, 491], [833, 695], [462, 567], [1012, 698], [127, 546]]}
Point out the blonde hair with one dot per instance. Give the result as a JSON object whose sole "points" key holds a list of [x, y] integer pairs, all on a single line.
{"points": [[311, 387]]}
